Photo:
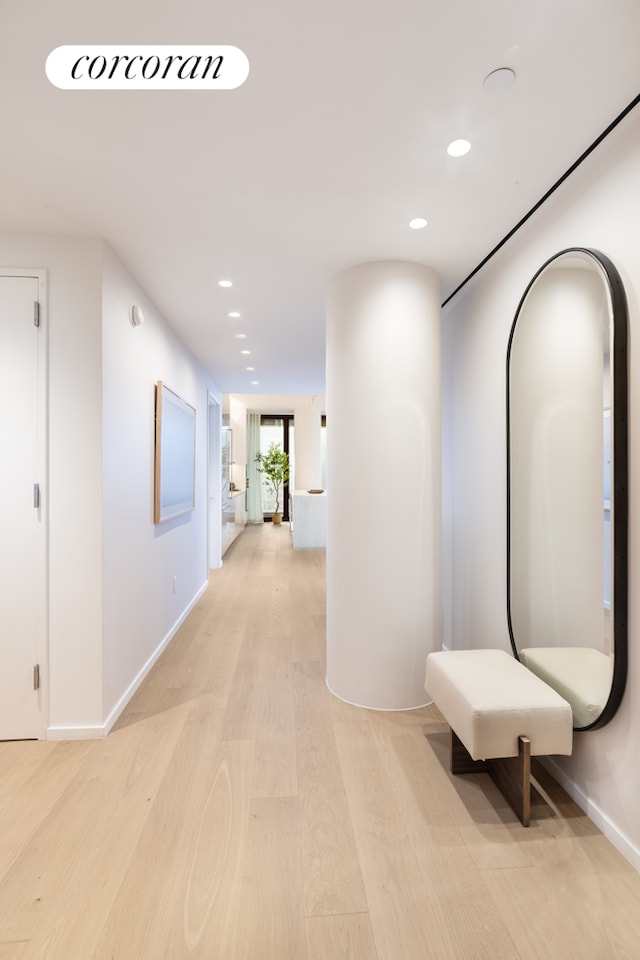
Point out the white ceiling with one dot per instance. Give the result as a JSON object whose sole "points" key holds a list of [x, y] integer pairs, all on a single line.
{"points": [[337, 139]]}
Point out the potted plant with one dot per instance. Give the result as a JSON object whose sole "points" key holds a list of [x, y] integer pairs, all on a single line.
{"points": [[275, 466]]}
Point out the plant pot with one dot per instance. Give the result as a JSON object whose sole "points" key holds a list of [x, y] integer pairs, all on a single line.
{"points": [[276, 518]]}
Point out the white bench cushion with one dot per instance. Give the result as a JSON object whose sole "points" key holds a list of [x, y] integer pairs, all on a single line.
{"points": [[490, 699]]}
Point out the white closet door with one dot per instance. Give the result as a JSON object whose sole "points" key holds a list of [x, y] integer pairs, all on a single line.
{"points": [[22, 541]]}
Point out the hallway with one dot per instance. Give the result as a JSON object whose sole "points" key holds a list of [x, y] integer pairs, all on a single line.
{"points": [[239, 811]]}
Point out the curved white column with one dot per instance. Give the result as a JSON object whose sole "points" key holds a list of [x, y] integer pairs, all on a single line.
{"points": [[384, 605]]}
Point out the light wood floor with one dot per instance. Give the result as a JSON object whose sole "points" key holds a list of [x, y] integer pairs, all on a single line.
{"points": [[238, 811]]}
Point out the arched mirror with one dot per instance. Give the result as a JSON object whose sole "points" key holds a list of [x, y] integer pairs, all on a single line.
{"points": [[567, 482]]}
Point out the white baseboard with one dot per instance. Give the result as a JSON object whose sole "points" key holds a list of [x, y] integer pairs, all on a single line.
{"points": [[608, 828], [76, 733], [97, 731]]}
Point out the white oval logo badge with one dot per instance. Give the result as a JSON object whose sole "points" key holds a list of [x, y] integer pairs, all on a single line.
{"points": [[95, 67]]}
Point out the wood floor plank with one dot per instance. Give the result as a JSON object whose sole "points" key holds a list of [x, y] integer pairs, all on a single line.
{"points": [[554, 913], [15, 951], [210, 909], [404, 921], [331, 870], [35, 796], [276, 772], [271, 906], [244, 707], [346, 937], [160, 900], [260, 707], [86, 841], [343, 712], [456, 887], [308, 607], [18, 764], [575, 880]]}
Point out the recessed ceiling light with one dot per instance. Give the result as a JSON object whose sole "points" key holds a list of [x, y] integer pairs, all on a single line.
{"points": [[234, 314], [500, 79], [458, 148], [245, 352], [254, 383], [417, 223], [225, 283], [249, 369], [241, 336]]}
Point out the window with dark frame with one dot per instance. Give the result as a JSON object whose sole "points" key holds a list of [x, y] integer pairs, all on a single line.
{"points": [[277, 428]]}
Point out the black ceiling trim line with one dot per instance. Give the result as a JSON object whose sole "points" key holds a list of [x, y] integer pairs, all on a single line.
{"points": [[605, 133]]}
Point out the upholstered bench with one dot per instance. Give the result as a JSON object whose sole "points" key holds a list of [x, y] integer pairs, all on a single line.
{"points": [[500, 716]]}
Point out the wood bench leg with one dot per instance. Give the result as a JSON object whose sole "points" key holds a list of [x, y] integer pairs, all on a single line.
{"points": [[512, 775], [461, 759]]}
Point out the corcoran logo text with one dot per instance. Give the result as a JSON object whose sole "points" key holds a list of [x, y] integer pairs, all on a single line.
{"points": [[95, 67]]}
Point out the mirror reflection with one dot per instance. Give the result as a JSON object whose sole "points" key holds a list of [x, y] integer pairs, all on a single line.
{"points": [[566, 409]]}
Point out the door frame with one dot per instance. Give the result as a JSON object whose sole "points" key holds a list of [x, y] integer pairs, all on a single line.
{"points": [[287, 420], [41, 573], [214, 504]]}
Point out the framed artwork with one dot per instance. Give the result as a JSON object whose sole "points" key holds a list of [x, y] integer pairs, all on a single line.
{"points": [[175, 455]]}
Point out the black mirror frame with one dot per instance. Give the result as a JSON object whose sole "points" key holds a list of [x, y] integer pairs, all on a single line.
{"points": [[619, 367]]}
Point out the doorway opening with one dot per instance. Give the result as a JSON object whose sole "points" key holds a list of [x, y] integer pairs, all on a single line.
{"points": [[278, 428]]}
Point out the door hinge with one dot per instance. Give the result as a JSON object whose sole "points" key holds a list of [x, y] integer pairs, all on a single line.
{"points": [[36, 313], [36, 677], [36, 496]]}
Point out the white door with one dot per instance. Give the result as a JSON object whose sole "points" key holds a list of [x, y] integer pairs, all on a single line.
{"points": [[22, 541]]}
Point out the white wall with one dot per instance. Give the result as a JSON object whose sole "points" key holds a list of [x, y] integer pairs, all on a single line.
{"points": [[238, 424], [308, 449], [140, 558], [279, 402], [599, 206]]}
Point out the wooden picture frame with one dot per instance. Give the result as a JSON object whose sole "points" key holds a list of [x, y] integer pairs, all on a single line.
{"points": [[175, 455]]}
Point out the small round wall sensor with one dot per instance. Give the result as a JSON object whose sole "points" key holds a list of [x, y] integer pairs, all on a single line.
{"points": [[500, 79], [137, 316]]}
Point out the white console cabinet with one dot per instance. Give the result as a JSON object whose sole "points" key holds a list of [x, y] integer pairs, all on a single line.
{"points": [[308, 520], [233, 517]]}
